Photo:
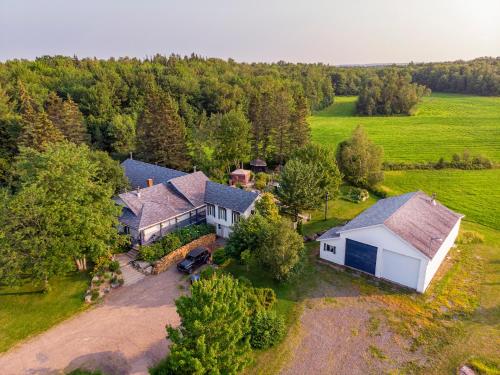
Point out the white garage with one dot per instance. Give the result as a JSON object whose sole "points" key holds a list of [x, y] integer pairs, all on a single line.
{"points": [[402, 239], [400, 268]]}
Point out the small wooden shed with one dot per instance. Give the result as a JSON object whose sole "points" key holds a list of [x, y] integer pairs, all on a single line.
{"points": [[258, 165], [240, 176]]}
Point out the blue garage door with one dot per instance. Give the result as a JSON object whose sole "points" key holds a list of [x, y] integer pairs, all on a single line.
{"points": [[360, 256]]}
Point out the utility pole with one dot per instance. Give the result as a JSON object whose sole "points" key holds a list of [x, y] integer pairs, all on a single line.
{"points": [[326, 203]]}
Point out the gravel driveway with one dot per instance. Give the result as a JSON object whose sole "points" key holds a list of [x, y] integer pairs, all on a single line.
{"points": [[123, 335]]}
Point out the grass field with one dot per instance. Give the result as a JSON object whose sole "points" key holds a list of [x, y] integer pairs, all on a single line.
{"points": [[442, 125], [27, 311], [476, 194]]}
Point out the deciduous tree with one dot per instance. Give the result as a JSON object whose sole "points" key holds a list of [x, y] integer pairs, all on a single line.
{"points": [[360, 160]]}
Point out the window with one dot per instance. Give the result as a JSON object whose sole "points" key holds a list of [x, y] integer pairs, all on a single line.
{"points": [[222, 213], [330, 248], [236, 217], [210, 210]]}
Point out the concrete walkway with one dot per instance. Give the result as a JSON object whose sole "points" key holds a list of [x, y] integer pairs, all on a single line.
{"points": [[123, 335]]}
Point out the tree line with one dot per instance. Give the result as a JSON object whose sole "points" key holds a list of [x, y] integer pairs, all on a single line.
{"points": [[127, 105]]}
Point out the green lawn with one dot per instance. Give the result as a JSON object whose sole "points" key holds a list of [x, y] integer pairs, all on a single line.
{"points": [[476, 194], [442, 125], [27, 311]]}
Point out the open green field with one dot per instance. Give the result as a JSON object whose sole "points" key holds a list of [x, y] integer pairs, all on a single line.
{"points": [[476, 194], [27, 311], [442, 125]]}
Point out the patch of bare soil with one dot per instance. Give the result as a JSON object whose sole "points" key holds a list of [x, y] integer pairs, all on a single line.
{"points": [[343, 332]]}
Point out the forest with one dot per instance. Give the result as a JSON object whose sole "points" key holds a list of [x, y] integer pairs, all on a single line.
{"points": [[205, 112]]}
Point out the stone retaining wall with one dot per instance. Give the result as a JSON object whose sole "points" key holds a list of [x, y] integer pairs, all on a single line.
{"points": [[179, 254]]}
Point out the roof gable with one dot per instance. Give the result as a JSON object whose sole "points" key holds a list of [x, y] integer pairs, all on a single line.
{"points": [[153, 205], [229, 197], [192, 187]]}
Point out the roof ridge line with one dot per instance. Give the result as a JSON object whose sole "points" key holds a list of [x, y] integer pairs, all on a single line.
{"points": [[404, 204]]}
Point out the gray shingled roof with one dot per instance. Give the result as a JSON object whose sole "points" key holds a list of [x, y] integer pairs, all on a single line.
{"points": [[153, 205], [229, 197], [138, 173], [173, 193], [379, 212], [192, 187], [411, 216]]}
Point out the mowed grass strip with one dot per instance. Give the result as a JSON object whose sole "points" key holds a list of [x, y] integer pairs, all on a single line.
{"points": [[27, 311], [442, 125], [476, 194]]}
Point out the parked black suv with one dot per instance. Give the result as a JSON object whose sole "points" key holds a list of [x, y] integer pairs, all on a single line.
{"points": [[194, 259]]}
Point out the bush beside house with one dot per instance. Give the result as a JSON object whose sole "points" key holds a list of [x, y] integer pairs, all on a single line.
{"points": [[173, 241]]}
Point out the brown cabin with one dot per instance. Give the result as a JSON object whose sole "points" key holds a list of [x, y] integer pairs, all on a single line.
{"points": [[258, 165]]}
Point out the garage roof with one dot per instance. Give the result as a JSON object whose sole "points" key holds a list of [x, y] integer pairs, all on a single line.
{"points": [[412, 216]]}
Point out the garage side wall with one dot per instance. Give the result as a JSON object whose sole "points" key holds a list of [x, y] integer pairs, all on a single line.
{"points": [[441, 254]]}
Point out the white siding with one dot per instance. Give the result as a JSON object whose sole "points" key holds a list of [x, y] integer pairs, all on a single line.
{"points": [[441, 254], [381, 238], [400, 268], [223, 227]]}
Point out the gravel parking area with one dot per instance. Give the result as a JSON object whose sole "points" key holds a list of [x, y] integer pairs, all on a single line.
{"points": [[123, 335]]}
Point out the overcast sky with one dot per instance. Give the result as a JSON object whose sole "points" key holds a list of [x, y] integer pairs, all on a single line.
{"points": [[329, 31]]}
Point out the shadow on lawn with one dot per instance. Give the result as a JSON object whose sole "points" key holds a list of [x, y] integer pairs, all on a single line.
{"points": [[21, 293]]}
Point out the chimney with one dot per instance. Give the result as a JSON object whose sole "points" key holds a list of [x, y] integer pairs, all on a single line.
{"points": [[138, 192], [149, 182], [433, 199], [194, 168], [131, 156]]}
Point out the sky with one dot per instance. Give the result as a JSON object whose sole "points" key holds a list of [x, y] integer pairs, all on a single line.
{"points": [[328, 31]]}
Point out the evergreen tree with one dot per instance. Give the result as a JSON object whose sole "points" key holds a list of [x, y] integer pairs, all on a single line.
{"points": [[281, 123], [66, 117], [161, 134], [214, 334], [300, 131], [37, 131]]}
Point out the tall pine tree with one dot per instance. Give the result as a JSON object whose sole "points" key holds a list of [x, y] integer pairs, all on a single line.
{"points": [[300, 131], [161, 134], [37, 131], [66, 116]]}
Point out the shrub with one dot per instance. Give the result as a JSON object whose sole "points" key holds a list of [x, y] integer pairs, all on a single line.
{"points": [[173, 241], [470, 237], [150, 253], [357, 195], [379, 192], [267, 330], [94, 294], [261, 180], [219, 256], [207, 273], [262, 298], [246, 257], [114, 266], [84, 372]]}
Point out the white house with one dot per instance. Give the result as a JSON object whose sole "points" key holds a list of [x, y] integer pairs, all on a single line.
{"points": [[402, 239], [165, 199]]}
